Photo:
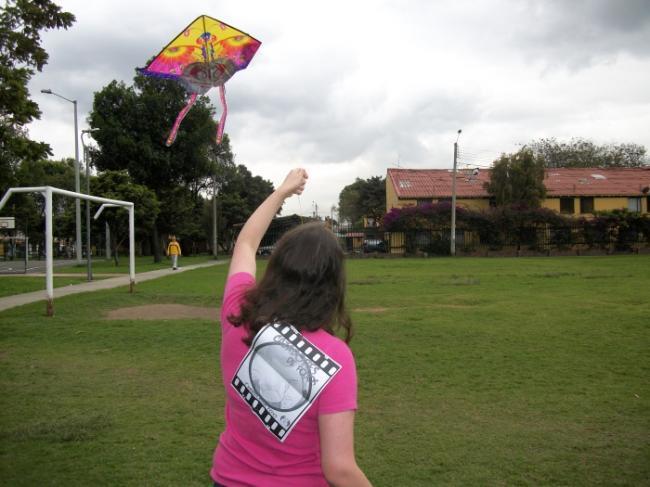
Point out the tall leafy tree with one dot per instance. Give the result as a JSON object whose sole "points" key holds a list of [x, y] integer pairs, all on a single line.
{"points": [[21, 54], [241, 193], [119, 185], [132, 123], [580, 152], [517, 179], [363, 198]]}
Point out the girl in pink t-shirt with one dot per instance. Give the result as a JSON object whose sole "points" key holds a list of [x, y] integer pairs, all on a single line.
{"points": [[291, 385]]}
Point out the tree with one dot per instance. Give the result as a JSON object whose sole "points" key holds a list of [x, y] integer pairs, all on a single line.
{"points": [[241, 193], [132, 124], [584, 153], [29, 208], [363, 198], [518, 179], [20, 54], [119, 185]]}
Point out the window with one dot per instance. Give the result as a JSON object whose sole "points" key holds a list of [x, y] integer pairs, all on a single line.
{"points": [[634, 204], [423, 201], [567, 205], [405, 183], [587, 204]]}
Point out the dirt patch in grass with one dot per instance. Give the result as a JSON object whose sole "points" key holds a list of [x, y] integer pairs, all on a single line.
{"points": [[164, 312], [365, 282], [370, 310]]}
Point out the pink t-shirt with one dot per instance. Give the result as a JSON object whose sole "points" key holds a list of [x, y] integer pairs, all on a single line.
{"points": [[247, 453]]}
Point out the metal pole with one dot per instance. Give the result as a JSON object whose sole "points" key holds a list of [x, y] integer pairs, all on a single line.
{"points": [[89, 268], [76, 172], [131, 247], [77, 184], [108, 240], [26, 253], [452, 249], [214, 216], [49, 277]]}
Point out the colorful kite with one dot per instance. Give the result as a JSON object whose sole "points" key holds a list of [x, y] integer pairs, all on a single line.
{"points": [[206, 54]]}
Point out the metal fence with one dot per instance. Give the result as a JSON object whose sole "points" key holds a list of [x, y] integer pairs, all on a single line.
{"points": [[527, 240], [530, 240]]}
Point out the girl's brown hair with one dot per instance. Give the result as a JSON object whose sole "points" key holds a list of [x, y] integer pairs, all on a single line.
{"points": [[304, 285]]}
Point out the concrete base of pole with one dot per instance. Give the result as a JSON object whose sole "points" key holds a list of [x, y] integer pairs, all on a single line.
{"points": [[132, 286], [49, 307]]}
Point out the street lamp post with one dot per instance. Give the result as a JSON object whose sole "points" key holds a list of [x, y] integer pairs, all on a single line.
{"points": [[452, 249], [89, 269], [76, 171]]}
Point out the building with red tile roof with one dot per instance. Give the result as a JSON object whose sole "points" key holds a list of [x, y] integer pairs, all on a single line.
{"points": [[569, 190]]}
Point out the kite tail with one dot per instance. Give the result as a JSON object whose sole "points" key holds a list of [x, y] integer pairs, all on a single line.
{"points": [[179, 119], [224, 113]]}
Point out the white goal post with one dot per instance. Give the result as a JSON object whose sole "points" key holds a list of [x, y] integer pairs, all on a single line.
{"points": [[48, 191]]}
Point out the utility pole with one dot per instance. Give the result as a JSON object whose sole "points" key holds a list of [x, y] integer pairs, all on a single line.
{"points": [[452, 249], [77, 186], [89, 269], [215, 190], [76, 173]]}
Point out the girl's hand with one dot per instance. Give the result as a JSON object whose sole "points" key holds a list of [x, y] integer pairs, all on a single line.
{"points": [[294, 183]]}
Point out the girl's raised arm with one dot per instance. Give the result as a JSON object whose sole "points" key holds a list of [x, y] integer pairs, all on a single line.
{"points": [[243, 256]]}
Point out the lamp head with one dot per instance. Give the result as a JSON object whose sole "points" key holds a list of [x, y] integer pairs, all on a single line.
{"points": [[48, 91]]}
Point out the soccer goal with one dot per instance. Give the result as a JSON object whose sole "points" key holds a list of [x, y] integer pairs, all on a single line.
{"points": [[48, 191]]}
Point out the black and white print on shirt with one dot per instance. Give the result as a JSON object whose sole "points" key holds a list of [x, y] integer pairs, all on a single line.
{"points": [[281, 376]]}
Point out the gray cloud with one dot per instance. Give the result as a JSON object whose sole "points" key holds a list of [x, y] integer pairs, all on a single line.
{"points": [[350, 87], [583, 32]]}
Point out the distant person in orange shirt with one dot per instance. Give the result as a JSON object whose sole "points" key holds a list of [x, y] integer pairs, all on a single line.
{"points": [[173, 251]]}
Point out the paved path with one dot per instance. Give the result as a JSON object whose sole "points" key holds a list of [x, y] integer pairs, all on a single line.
{"points": [[65, 274], [17, 267], [123, 280]]}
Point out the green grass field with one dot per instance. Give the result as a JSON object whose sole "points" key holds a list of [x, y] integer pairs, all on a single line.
{"points": [[142, 264], [530, 371], [10, 285]]}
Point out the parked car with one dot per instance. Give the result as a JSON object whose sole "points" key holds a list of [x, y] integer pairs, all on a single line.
{"points": [[374, 245], [265, 250]]}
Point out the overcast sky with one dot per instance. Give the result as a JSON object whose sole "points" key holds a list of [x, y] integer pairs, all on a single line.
{"points": [[350, 88]]}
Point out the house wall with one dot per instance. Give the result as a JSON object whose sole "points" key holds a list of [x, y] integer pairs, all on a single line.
{"points": [[607, 204], [400, 203], [553, 204], [474, 203], [391, 196], [469, 203], [601, 203]]}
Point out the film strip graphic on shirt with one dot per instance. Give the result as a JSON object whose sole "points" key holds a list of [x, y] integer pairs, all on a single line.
{"points": [[281, 376]]}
